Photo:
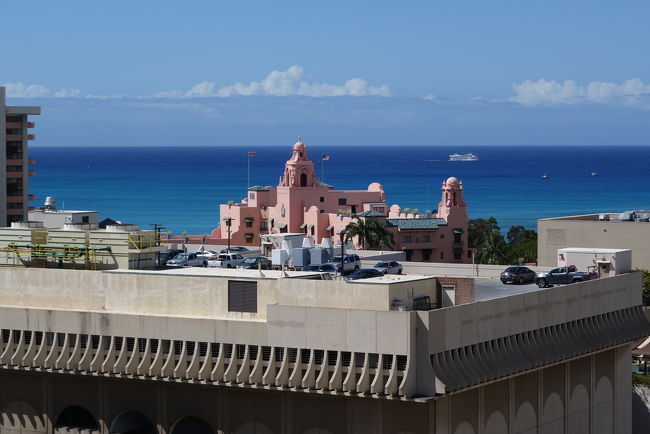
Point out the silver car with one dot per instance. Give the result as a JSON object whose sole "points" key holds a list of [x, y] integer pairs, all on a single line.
{"points": [[389, 267]]}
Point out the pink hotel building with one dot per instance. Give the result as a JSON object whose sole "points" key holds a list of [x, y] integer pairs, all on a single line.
{"points": [[302, 204]]}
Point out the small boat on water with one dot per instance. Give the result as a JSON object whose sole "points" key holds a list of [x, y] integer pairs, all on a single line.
{"points": [[593, 174], [463, 157], [546, 176]]}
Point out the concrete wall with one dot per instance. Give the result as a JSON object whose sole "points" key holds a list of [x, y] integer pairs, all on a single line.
{"points": [[469, 324], [585, 395], [559, 233], [192, 296]]}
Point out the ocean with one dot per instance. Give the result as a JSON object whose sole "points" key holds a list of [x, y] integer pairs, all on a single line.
{"points": [[182, 187]]}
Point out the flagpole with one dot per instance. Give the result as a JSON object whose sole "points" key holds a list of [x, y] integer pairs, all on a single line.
{"points": [[322, 168], [248, 179]]}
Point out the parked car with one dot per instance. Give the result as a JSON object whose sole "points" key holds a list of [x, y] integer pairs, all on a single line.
{"points": [[389, 267], [518, 274], [226, 260], [364, 273], [187, 260], [562, 275], [347, 264], [255, 262], [321, 268], [208, 254], [166, 255], [234, 249]]}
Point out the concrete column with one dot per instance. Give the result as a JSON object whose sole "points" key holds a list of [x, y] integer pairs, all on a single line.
{"points": [[3, 159]]}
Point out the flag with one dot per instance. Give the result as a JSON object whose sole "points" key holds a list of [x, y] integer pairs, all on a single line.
{"points": [[326, 157], [251, 154]]}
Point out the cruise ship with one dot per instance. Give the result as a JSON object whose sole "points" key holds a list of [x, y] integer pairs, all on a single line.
{"points": [[463, 157]]}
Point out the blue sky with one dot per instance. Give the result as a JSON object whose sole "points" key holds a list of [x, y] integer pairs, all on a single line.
{"points": [[369, 73]]}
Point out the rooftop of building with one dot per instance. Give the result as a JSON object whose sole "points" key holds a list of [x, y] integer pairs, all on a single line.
{"points": [[230, 273], [371, 213], [633, 216], [406, 224]]}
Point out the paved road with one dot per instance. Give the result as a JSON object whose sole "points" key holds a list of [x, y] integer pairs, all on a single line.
{"points": [[487, 289]]}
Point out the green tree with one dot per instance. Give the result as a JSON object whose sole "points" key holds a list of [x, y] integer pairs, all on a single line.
{"points": [[369, 233], [519, 246], [478, 230], [522, 245], [382, 237], [361, 229]]}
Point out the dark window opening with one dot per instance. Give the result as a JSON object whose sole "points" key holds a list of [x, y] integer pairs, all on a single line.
{"points": [[242, 296], [343, 201], [322, 199], [85, 219], [303, 180]]}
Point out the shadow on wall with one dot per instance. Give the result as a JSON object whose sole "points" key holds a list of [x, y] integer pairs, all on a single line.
{"points": [[640, 409]]}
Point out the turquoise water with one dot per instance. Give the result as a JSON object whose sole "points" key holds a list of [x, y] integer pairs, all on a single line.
{"points": [[181, 187]]}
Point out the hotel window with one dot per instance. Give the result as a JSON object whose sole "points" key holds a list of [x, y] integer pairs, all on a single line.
{"points": [[442, 255], [343, 201], [442, 236], [469, 253], [426, 254], [249, 238], [252, 195], [407, 238], [426, 239], [85, 219], [458, 238], [322, 199], [242, 296], [264, 226], [249, 222]]}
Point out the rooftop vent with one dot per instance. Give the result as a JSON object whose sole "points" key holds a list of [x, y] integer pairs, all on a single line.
{"points": [[50, 204]]}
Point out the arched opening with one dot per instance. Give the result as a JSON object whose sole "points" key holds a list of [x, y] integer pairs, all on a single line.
{"points": [[604, 407], [19, 416], [496, 424], [552, 415], [526, 419], [190, 425], [578, 414], [303, 180], [464, 428], [131, 422], [76, 419]]}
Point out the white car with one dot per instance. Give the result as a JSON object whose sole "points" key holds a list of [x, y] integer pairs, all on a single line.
{"points": [[207, 254], [187, 260], [226, 260]]}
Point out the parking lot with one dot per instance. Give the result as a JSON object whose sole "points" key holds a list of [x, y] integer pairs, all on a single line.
{"points": [[487, 289]]}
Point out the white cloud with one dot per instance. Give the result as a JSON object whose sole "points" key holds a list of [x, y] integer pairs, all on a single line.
{"points": [[281, 83], [21, 90], [551, 92], [68, 93]]}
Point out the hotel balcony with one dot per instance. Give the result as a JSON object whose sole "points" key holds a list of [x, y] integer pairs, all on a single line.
{"points": [[31, 197], [14, 137], [16, 174], [14, 199], [31, 161], [31, 136], [13, 125], [15, 211], [31, 173], [14, 161], [31, 124]]}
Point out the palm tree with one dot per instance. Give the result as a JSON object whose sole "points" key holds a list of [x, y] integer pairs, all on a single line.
{"points": [[370, 233], [382, 236], [360, 229]]}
